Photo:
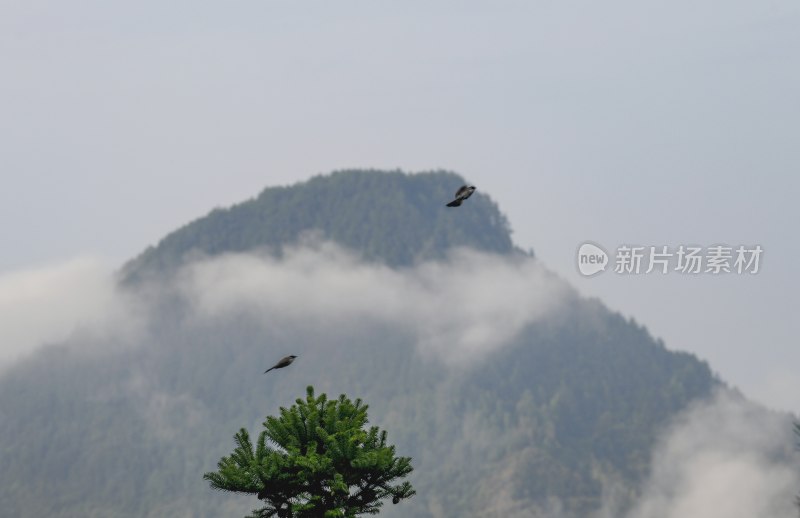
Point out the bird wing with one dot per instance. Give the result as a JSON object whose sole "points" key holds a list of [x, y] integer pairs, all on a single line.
{"points": [[462, 191]]}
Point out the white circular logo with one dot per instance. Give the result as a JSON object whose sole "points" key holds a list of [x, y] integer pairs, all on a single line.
{"points": [[591, 259]]}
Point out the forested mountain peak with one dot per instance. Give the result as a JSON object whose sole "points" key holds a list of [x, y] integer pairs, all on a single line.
{"points": [[508, 390], [386, 216]]}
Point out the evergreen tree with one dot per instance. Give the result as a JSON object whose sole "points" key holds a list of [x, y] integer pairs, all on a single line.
{"points": [[324, 462]]}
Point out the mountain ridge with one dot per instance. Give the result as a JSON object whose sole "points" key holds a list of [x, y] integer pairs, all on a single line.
{"points": [[350, 207], [572, 401]]}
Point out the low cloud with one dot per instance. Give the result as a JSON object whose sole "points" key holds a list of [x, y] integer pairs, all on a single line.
{"points": [[459, 308], [724, 458], [47, 304]]}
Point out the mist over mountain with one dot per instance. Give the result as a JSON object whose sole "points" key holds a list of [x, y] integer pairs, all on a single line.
{"points": [[513, 395]]}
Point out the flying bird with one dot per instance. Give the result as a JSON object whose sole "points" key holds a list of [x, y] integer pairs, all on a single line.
{"points": [[285, 362], [463, 192]]}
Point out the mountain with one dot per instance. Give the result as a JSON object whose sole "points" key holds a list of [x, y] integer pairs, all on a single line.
{"points": [[390, 217], [509, 391]]}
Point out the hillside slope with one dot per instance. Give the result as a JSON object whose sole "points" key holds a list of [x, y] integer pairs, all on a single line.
{"points": [[119, 424]]}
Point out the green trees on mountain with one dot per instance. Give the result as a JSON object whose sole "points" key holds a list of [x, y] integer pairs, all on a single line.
{"points": [[389, 217], [316, 461], [570, 406]]}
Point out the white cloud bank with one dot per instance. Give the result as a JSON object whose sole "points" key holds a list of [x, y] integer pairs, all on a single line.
{"points": [[460, 308], [46, 304], [470, 304], [726, 458]]}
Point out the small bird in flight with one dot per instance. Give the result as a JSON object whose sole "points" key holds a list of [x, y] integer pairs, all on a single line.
{"points": [[463, 192], [285, 362]]}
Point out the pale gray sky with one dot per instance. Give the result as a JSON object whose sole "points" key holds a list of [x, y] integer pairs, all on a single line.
{"points": [[615, 122]]}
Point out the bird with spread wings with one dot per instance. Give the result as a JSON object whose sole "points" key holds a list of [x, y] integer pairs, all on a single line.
{"points": [[463, 192]]}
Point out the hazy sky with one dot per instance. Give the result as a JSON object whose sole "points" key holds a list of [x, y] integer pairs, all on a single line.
{"points": [[614, 122]]}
